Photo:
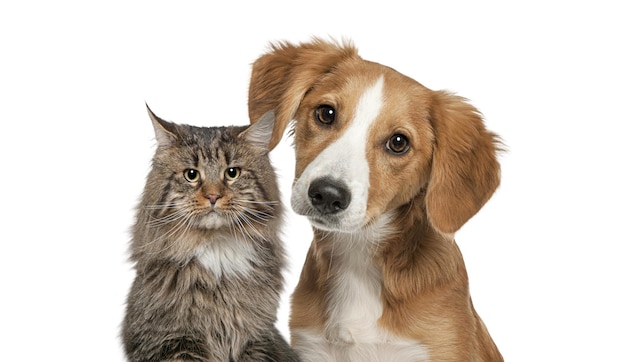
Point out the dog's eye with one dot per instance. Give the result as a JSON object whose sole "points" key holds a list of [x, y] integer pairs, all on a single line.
{"points": [[191, 175], [398, 144], [325, 114]]}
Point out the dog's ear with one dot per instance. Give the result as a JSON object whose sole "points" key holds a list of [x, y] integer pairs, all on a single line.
{"points": [[281, 78], [465, 170]]}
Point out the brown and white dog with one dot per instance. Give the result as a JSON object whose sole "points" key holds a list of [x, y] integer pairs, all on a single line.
{"points": [[386, 171]]}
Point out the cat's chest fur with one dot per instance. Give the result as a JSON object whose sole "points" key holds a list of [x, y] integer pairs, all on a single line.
{"points": [[224, 256]]}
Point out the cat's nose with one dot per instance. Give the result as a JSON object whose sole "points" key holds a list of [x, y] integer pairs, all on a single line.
{"points": [[213, 198]]}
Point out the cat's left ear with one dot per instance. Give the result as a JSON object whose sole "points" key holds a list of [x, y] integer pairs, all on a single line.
{"points": [[163, 130], [260, 132]]}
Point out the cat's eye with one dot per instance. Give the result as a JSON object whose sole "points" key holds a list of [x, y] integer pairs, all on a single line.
{"points": [[191, 175], [325, 114], [232, 173], [398, 144]]}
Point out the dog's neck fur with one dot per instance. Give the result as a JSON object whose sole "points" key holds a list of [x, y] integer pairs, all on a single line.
{"points": [[392, 261], [418, 253], [404, 241]]}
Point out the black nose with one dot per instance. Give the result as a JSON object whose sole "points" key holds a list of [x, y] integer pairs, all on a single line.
{"points": [[329, 196]]}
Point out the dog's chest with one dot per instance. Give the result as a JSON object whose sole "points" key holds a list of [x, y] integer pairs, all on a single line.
{"points": [[354, 301], [352, 331]]}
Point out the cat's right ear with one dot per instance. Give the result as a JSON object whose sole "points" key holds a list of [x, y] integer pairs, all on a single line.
{"points": [[259, 133], [163, 130]]}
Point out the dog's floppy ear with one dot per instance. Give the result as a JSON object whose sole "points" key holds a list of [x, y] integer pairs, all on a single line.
{"points": [[281, 77], [465, 170]]}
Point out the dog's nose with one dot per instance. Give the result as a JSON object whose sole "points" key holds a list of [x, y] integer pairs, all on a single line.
{"points": [[329, 196]]}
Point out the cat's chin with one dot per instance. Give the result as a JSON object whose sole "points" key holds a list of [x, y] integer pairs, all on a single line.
{"points": [[212, 221]]}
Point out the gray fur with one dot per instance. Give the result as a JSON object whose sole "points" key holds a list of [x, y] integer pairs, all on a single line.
{"points": [[179, 308]]}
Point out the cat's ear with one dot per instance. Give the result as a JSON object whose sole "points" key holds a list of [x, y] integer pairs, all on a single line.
{"points": [[259, 133], [163, 130]]}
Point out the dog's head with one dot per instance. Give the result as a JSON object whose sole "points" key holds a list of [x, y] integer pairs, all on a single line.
{"points": [[369, 139]]}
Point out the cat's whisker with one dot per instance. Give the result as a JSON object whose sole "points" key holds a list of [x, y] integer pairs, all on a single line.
{"points": [[269, 204], [251, 224], [163, 206], [261, 216], [241, 220], [166, 220], [182, 219], [161, 221], [239, 224], [184, 223], [260, 219], [188, 225]]}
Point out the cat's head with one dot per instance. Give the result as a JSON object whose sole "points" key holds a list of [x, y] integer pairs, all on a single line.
{"points": [[209, 178]]}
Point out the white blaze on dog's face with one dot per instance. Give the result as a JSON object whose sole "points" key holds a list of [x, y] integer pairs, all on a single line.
{"points": [[363, 146]]}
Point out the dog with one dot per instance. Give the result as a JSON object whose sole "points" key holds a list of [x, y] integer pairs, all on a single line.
{"points": [[386, 171]]}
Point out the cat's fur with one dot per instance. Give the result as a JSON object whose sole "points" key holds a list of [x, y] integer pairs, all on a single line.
{"points": [[208, 278]]}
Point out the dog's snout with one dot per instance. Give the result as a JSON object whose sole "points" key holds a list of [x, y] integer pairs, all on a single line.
{"points": [[329, 196]]}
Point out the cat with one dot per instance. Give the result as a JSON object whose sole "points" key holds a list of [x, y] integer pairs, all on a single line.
{"points": [[206, 249]]}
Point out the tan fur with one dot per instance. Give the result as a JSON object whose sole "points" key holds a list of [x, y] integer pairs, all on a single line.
{"points": [[447, 175]]}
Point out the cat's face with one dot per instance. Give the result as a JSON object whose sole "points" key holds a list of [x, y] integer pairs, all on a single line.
{"points": [[211, 178]]}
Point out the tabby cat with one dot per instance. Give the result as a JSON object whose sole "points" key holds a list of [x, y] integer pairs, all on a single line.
{"points": [[206, 249]]}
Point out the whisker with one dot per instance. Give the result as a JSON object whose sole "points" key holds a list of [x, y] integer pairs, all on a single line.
{"points": [[243, 218], [257, 214], [164, 205], [330, 261], [184, 225], [268, 203], [238, 222], [181, 221], [161, 221]]}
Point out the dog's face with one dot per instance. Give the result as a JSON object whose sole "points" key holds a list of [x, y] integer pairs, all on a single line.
{"points": [[363, 146], [369, 139]]}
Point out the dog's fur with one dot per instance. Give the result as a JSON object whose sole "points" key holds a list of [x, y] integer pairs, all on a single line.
{"points": [[384, 279]]}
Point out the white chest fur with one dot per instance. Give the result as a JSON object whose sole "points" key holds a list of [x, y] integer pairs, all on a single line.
{"points": [[226, 257], [352, 332]]}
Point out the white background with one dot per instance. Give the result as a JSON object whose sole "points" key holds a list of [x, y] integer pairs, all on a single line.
{"points": [[545, 255]]}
